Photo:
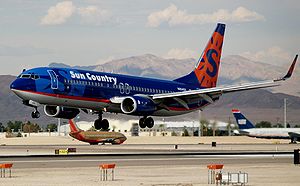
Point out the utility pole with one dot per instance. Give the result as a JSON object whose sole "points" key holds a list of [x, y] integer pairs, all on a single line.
{"points": [[284, 112], [229, 126], [58, 127], [200, 125]]}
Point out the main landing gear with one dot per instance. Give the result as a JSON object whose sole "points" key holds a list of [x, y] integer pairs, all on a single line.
{"points": [[146, 122], [101, 124]]}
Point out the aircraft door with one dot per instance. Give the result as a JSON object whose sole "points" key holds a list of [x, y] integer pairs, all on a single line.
{"points": [[54, 80]]}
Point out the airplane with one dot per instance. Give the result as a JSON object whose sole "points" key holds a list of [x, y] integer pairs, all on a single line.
{"points": [[66, 91], [95, 137], [248, 129]]}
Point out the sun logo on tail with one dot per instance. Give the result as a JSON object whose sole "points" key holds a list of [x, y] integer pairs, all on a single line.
{"points": [[208, 65]]}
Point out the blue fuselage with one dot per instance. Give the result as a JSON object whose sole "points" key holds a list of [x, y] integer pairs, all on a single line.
{"points": [[95, 90]]}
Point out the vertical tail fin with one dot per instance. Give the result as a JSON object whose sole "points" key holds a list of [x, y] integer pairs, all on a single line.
{"points": [[73, 126], [241, 120], [205, 74]]}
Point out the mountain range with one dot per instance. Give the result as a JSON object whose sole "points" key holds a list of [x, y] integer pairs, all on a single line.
{"points": [[257, 104]]}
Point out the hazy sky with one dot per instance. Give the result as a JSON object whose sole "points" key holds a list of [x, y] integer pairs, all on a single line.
{"points": [[36, 33]]}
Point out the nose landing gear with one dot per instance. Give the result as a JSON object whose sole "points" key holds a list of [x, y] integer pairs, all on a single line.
{"points": [[35, 114]]}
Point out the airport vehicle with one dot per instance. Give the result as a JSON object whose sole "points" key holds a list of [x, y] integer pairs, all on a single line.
{"points": [[248, 129], [95, 137], [66, 91]]}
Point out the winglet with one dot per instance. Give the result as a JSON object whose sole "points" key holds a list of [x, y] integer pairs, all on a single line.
{"points": [[291, 69]]}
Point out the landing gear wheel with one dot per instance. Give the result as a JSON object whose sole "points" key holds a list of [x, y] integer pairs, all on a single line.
{"points": [[149, 122], [142, 123], [101, 124], [105, 124], [35, 114], [97, 124]]}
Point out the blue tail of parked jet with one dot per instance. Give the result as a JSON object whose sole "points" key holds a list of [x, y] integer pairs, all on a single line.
{"points": [[241, 120], [205, 74]]}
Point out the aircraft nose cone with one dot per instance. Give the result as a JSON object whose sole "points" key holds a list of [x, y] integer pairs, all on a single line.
{"points": [[13, 85], [17, 85]]}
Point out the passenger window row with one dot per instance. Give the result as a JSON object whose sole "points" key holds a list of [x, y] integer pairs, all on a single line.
{"points": [[120, 86]]}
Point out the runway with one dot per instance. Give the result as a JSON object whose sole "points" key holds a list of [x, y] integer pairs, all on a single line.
{"points": [[147, 160], [148, 164], [33, 156]]}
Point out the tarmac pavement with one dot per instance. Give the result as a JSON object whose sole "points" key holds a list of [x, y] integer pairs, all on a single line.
{"points": [[263, 169]]}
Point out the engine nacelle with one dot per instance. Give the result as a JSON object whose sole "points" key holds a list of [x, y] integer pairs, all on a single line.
{"points": [[138, 105], [61, 112]]}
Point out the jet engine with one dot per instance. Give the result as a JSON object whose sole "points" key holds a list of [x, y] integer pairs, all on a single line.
{"points": [[61, 112], [138, 105]]}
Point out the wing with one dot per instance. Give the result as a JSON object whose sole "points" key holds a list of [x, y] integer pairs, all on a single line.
{"points": [[209, 93]]}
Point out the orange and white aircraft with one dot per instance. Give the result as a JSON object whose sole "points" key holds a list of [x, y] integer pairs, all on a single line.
{"points": [[95, 137]]}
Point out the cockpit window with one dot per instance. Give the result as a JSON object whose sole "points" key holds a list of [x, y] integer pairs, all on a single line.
{"points": [[31, 76], [35, 76], [25, 76]]}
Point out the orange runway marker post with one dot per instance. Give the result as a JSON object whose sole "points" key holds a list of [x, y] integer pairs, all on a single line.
{"points": [[104, 171], [5, 166], [214, 176]]}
